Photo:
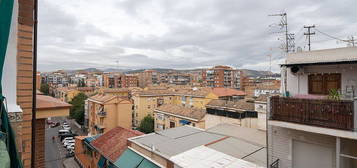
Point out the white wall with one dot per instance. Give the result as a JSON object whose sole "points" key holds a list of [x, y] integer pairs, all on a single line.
{"points": [[10, 65], [298, 83], [280, 144], [261, 108], [213, 120]]}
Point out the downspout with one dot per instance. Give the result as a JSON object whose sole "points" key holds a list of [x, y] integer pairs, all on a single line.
{"points": [[34, 75]]}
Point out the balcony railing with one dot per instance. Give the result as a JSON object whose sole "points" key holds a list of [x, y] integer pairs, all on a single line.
{"points": [[102, 113], [324, 113]]}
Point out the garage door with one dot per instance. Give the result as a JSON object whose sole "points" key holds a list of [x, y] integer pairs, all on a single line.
{"points": [[307, 155]]}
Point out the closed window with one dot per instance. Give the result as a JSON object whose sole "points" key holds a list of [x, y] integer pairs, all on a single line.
{"points": [[323, 83]]}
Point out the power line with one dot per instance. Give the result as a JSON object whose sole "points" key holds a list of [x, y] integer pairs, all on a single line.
{"points": [[289, 44], [308, 34]]}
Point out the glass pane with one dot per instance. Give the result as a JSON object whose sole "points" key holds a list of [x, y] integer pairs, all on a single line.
{"points": [[348, 162], [348, 147]]}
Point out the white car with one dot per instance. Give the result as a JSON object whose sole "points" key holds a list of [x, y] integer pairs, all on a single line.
{"points": [[66, 139], [70, 147], [66, 143], [66, 127]]}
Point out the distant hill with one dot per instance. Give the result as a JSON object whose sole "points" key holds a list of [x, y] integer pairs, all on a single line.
{"points": [[247, 72], [255, 73]]}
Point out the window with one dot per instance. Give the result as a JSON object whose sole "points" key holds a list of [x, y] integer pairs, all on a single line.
{"points": [[148, 106], [323, 83], [193, 124], [172, 124]]}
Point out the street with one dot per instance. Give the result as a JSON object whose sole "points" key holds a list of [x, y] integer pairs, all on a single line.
{"points": [[55, 153]]}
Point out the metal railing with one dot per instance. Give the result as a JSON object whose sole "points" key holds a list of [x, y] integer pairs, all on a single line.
{"points": [[275, 164], [317, 112]]}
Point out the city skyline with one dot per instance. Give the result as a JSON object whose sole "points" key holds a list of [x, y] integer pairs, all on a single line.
{"points": [[180, 35]]}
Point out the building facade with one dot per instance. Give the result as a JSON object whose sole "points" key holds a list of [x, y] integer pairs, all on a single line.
{"points": [[222, 76], [106, 112], [312, 125]]}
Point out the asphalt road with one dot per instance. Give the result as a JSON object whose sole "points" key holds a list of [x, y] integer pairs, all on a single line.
{"points": [[54, 151], [53, 155]]}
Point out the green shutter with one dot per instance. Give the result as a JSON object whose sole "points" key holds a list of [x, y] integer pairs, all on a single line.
{"points": [[6, 9]]}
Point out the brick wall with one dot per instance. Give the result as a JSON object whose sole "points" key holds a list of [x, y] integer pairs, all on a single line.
{"points": [[24, 75], [40, 143]]}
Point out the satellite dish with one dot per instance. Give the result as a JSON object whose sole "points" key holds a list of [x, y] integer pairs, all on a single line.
{"points": [[295, 69]]}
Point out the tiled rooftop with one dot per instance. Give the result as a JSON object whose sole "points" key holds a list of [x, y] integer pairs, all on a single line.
{"points": [[48, 102], [114, 142], [240, 105], [221, 92], [194, 113]]}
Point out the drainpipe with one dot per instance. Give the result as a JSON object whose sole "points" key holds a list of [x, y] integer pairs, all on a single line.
{"points": [[34, 76]]}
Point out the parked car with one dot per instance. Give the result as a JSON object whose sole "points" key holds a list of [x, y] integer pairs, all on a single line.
{"points": [[67, 138], [66, 127], [70, 154], [50, 122], [70, 147], [54, 124], [63, 131], [68, 142], [66, 135]]}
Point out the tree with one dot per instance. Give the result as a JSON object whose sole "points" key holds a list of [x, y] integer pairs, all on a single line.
{"points": [[45, 88], [77, 109], [147, 125]]}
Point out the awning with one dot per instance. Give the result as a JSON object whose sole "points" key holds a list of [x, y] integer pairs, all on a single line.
{"points": [[185, 122], [131, 159], [88, 140], [101, 162]]}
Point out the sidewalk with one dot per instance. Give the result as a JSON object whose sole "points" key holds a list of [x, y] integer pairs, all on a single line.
{"points": [[70, 163]]}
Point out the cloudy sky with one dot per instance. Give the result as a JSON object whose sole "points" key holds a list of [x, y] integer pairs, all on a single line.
{"points": [[180, 34]]}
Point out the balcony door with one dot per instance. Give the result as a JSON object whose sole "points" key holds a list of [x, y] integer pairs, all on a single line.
{"points": [[322, 83]]}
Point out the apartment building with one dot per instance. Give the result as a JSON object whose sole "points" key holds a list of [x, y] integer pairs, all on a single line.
{"points": [[222, 76], [119, 80], [148, 78], [239, 113], [312, 125], [171, 116], [106, 112], [147, 100], [175, 78]]}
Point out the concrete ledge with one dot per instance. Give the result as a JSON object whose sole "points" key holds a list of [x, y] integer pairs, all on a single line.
{"points": [[314, 129]]}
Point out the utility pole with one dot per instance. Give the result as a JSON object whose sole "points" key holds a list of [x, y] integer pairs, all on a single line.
{"points": [[289, 44], [308, 34]]}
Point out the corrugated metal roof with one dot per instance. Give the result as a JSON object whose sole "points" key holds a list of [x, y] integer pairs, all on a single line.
{"points": [[131, 159], [346, 54], [241, 149], [251, 135], [177, 140], [206, 157]]}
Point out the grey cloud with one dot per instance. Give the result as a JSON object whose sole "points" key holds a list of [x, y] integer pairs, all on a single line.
{"points": [[199, 33]]}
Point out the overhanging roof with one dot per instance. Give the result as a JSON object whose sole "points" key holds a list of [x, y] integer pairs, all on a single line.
{"points": [[345, 55]]}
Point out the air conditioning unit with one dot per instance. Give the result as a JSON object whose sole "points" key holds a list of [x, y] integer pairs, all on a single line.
{"points": [[297, 70]]}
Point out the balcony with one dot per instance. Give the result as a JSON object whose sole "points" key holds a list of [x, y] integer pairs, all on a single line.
{"points": [[316, 112], [102, 114]]}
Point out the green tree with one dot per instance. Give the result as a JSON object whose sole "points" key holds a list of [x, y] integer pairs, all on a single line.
{"points": [[147, 125], [77, 109], [45, 88]]}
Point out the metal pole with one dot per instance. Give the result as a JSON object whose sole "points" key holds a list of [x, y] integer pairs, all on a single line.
{"points": [[34, 76]]}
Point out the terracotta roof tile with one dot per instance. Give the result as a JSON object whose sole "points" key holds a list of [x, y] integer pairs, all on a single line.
{"points": [[194, 113], [48, 102], [114, 142], [238, 105], [102, 97], [220, 92]]}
